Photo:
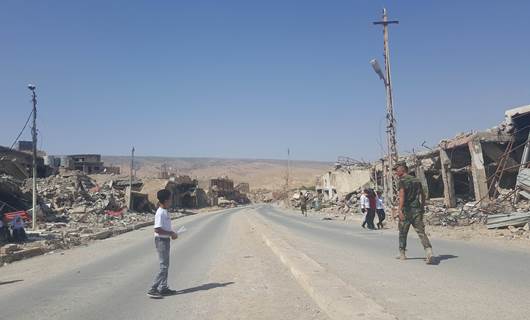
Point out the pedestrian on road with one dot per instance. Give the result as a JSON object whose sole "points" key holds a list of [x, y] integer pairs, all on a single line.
{"points": [[380, 210], [365, 205], [303, 204], [163, 235], [410, 211], [370, 214]]}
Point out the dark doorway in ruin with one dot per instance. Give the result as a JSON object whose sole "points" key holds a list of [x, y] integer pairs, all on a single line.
{"points": [[493, 153], [464, 186], [435, 183], [188, 201], [461, 169]]}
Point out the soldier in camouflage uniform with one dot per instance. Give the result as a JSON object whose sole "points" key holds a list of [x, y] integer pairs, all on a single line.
{"points": [[410, 211], [303, 204]]}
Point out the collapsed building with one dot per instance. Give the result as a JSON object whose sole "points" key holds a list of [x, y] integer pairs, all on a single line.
{"points": [[476, 166], [19, 164], [185, 192], [86, 163], [466, 178], [243, 187], [223, 193], [347, 176]]}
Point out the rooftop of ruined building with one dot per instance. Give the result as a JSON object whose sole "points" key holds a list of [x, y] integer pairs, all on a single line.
{"points": [[511, 113]]}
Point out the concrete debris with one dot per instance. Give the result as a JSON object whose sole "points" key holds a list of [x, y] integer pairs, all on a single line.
{"points": [[437, 214], [342, 206], [75, 195], [73, 209], [261, 196], [12, 197], [512, 220], [223, 189], [225, 203]]}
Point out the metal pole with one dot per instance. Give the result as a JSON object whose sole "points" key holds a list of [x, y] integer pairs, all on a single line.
{"points": [[34, 139], [288, 169], [131, 180], [391, 122]]}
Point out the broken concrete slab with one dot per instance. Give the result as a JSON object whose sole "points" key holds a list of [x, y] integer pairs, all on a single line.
{"points": [[517, 219]]}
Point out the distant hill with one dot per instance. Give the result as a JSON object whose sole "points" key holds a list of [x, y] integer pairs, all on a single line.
{"points": [[268, 174]]}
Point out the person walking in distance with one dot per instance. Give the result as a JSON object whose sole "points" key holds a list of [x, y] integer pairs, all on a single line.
{"points": [[303, 204], [365, 204], [380, 210], [370, 215], [163, 235], [411, 211]]}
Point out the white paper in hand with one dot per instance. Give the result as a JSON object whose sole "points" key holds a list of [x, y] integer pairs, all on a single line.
{"points": [[181, 230]]}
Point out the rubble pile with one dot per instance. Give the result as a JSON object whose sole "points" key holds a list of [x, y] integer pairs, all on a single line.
{"points": [[470, 213], [12, 197], [347, 205], [516, 232], [261, 196], [225, 203], [76, 197], [72, 209], [222, 190], [436, 214]]}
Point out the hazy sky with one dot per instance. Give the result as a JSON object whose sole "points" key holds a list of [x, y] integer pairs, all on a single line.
{"points": [[250, 78]]}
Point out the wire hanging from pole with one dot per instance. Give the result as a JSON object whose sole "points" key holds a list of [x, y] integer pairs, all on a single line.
{"points": [[21, 131]]}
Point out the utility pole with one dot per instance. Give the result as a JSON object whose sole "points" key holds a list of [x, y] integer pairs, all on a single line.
{"points": [[288, 169], [131, 180], [390, 120], [34, 138]]}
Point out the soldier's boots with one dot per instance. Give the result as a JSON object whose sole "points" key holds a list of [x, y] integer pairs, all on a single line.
{"points": [[402, 255], [429, 258]]}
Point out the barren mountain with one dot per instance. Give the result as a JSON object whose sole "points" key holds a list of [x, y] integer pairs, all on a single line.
{"points": [[269, 174]]}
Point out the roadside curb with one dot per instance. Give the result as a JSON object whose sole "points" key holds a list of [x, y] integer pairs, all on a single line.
{"points": [[335, 297], [105, 234]]}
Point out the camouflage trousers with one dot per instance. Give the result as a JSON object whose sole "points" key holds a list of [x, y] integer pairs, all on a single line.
{"points": [[417, 223]]}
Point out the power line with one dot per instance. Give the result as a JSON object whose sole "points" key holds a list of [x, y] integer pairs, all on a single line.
{"points": [[22, 131]]}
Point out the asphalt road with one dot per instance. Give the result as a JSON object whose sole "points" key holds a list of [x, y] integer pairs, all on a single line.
{"points": [[220, 269], [223, 270], [470, 280]]}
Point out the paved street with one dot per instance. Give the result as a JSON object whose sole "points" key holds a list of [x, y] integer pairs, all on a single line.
{"points": [[229, 265]]}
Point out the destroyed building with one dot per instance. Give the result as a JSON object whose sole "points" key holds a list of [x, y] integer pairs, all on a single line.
{"points": [[223, 193], [476, 165], [347, 176], [25, 146], [243, 187], [20, 164], [86, 163], [185, 192], [466, 178], [112, 170]]}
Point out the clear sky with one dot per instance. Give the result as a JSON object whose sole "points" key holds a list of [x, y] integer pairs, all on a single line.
{"points": [[247, 79]]}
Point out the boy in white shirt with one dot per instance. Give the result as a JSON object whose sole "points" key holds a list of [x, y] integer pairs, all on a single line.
{"points": [[163, 235], [380, 209], [365, 205]]}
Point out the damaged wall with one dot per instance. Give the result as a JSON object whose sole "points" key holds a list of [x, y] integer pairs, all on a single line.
{"points": [[342, 181]]}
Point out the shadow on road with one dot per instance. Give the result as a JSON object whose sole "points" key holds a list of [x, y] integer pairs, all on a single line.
{"points": [[437, 259], [10, 281], [204, 287]]}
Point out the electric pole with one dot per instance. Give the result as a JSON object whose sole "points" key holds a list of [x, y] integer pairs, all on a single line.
{"points": [[131, 180], [288, 169], [34, 138], [390, 120]]}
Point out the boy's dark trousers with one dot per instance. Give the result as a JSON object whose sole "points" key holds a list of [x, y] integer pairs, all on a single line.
{"points": [[370, 216], [162, 248], [381, 216]]}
